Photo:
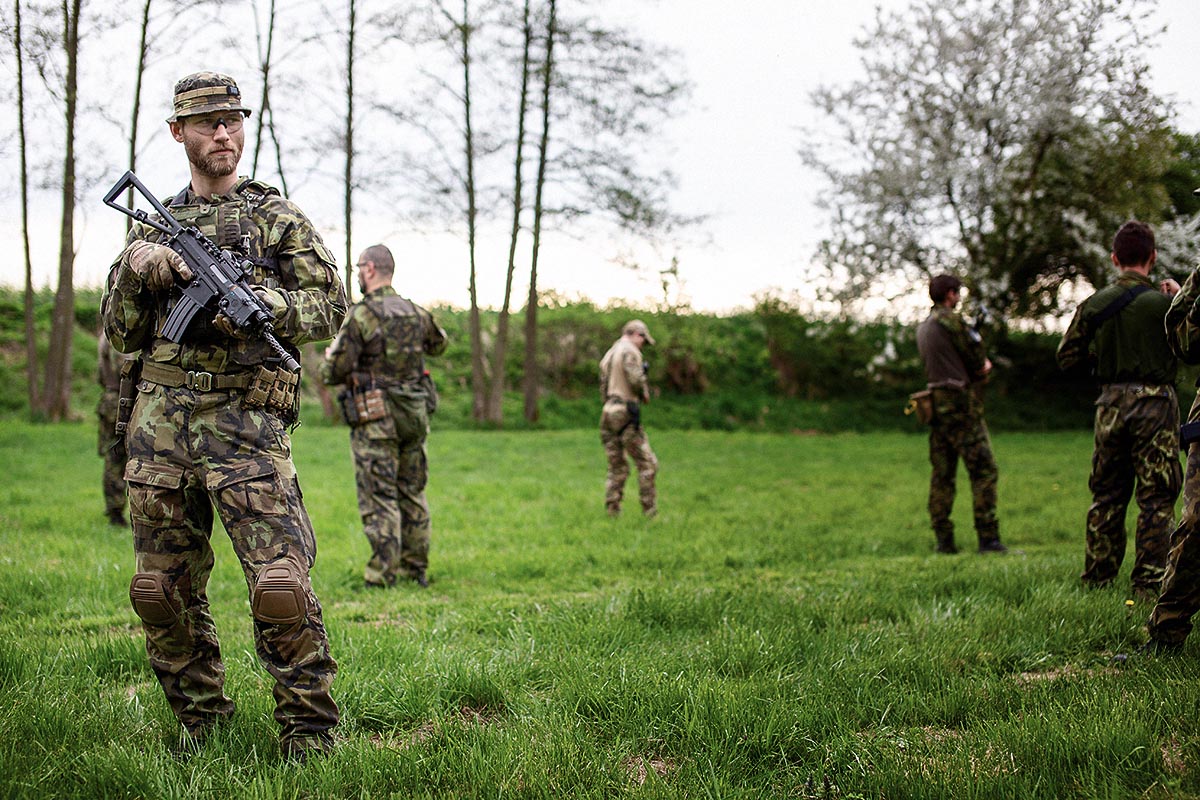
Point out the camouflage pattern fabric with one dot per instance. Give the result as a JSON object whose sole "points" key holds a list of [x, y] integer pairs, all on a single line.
{"points": [[108, 446], [1137, 439], [1171, 620], [958, 431], [383, 342], [113, 453], [188, 452], [624, 440]]}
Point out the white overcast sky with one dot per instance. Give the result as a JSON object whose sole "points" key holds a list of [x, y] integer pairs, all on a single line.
{"points": [[752, 65]]}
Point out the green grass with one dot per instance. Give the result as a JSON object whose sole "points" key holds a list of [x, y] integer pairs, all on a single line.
{"points": [[783, 629]]}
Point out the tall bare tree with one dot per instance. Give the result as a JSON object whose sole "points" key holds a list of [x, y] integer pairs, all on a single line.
{"points": [[532, 379], [30, 334], [495, 404], [265, 40], [56, 397]]}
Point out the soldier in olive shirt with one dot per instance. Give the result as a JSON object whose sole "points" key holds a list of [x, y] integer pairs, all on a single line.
{"points": [[955, 364], [1119, 331]]}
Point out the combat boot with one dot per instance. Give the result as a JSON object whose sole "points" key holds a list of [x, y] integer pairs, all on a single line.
{"points": [[992, 546]]}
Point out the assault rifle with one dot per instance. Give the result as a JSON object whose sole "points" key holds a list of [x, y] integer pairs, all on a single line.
{"points": [[220, 283]]}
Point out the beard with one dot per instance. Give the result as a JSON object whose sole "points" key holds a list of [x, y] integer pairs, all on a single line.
{"points": [[213, 165]]}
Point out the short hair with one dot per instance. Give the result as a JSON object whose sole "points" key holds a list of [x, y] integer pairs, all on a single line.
{"points": [[1134, 244], [381, 257], [942, 285]]}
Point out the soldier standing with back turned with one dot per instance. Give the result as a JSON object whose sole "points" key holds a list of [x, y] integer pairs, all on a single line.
{"points": [[381, 348], [955, 363], [210, 429], [1119, 329]]}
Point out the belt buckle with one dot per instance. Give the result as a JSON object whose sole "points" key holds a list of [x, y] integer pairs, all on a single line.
{"points": [[199, 381]]}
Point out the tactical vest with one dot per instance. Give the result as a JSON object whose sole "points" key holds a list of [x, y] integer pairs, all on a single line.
{"points": [[234, 226], [397, 354]]}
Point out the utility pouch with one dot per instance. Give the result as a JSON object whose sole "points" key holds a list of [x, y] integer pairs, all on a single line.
{"points": [[131, 374], [635, 414], [362, 403], [920, 404], [275, 389]]}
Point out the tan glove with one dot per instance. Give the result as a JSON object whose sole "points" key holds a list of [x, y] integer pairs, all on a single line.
{"points": [[156, 265]]}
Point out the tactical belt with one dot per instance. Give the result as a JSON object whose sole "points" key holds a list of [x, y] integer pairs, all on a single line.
{"points": [[174, 377]]}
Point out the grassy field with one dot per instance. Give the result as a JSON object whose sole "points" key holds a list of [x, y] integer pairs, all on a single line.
{"points": [[782, 629]]}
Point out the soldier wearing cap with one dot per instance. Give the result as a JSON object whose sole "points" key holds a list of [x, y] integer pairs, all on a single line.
{"points": [[624, 387], [199, 440]]}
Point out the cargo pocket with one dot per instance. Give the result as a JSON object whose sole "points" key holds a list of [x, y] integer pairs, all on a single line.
{"points": [[155, 499], [247, 490]]}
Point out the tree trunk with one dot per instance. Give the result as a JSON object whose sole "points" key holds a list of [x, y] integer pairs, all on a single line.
{"points": [[495, 403], [348, 206], [57, 399], [30, 335], [143, 46], [478, 378], [532, 379]]}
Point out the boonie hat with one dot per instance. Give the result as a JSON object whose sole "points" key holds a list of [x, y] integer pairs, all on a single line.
{"points": [[637, 326], [205, 92]]}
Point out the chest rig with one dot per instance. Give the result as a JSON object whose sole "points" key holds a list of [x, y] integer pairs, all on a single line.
{"points": [[397, 353], [231, 225]]}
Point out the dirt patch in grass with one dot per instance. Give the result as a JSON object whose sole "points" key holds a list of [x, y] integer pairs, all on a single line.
{"points": [[464, 717], [638, 768], [1038, 677]]}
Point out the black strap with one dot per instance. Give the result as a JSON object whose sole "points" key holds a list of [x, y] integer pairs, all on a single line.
{"points": [[1115, 307]]}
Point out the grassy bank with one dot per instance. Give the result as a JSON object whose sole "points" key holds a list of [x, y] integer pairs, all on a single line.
{"points": [[783, 629]]}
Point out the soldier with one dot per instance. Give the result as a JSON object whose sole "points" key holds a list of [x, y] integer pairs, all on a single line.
{"points": [[110, 446], [1119, 331], [623, 386], [380, 352], [1171, 620], [956, 364], [204, 434]]}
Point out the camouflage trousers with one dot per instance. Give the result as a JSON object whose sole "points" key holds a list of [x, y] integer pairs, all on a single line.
{"points": [[959, 431], [391, 473], [1171, 620], [623, 439], [1137, 441], [113, 453], [188, 452]]}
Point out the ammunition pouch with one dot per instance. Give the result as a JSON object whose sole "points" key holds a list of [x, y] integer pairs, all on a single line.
{"points": [[920, 404], [362, 401], [276, 390], [131, 374]]}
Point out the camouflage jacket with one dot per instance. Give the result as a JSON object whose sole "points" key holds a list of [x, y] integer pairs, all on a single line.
{"points": [[1128, 347], [952, 351], [385, 336], [1182, 323], [287, 254]]}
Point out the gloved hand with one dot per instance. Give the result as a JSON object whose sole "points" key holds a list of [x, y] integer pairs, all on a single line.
{"points": [[156, 265], [277, 307], [275, 300]]}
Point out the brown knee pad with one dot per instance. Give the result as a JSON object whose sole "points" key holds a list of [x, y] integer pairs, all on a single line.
{"points": [[278, 597], [150, 600]]}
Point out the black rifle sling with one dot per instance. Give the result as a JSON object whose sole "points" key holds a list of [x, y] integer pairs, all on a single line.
{"points": [[1115, 307]]}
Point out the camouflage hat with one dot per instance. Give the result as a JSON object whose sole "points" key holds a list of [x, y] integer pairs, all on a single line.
{"points": [[205, 92], [637, 326]]}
